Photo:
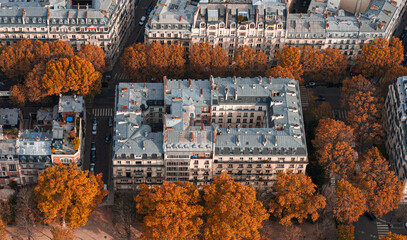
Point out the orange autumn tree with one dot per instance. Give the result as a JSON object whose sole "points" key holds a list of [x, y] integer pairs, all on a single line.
{"points": [[18, 95], [33, 83], [67, 196], [296, 198], [289, 58], [219, 62], [71, 75], [232, 210], [332, 131], [379, 56], [95, 55], [176, 61], [345, 232], [350, 202], [157, 60], [2, 230], [337, 159], [392, 236], [19, 59], [171, 211], [260, 64], [244, 61], [380, 185], [333, 65], [200, 60], [389, 78], [134, 62], [279, 72], [61, 49], [311, 61], [363, 113]]}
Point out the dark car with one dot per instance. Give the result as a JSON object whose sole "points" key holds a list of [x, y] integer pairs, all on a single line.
{"points": [[110, 122], [93, 146], [149, 9], [93, 156], [92, 167], [108, 137], [321, 98]]}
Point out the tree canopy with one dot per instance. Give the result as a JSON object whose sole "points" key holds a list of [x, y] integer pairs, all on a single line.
{"points": [[66, 195], [95, 55], [296, 198], [231, 210], [393, 236], [350, 202]]}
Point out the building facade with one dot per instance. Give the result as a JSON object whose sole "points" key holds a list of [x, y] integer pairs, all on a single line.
{"points": [[395, 125], [251, 128], [104, 23], [267, 26]]}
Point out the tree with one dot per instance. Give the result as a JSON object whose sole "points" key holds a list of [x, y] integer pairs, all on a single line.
{"points": [[379, 56], [296, 198], [19, 59], [61, 49], [289, 58], [324, 110], [363, 114], [33, 84], [157, 60], [171, 211], [76, 143], [2, 230], [124, 210], [345, 232], [279, 72], [95, 55], [134, 62], [71, 75], [331, 131], [389, 78], [66, 195], [293, 233], [338, 159], [18, 95], [380, 185], [350, 202], [200, 60], [392, 236], [59, 233], [176, 61], [26, 211], [231, 210], [244, 61], [219, 62], [311, 60], [333, 65], [260, 63]]}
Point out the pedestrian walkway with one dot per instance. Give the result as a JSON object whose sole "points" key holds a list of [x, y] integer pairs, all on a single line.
{"points": [[339, 114], [121, 76], [382, 228], [304, 97], [102, 112]]}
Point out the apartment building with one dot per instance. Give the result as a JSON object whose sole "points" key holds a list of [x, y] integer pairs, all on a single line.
{"points": [[104, 23], [267, 26], [395, 125], [24, 153], [251, 128]]}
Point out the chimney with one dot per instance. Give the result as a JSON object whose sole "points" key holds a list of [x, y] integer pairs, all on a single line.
{"points": [[48, 16], [309, 13], [192, 137], [145, 85], [202, 127], [77, 13], [214, 132], [190, 83], [180, 18], [237, 140], [212, 82], [227, 14], [260, 80], [257, 14], [144, 145], [264, 140], [201, 92], [234, 80], [275, 140], [271, 80], [226, 93], [238, 127], [228, 129]]}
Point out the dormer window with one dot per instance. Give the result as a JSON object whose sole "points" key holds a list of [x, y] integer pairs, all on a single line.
{"points": [[221, 25]]}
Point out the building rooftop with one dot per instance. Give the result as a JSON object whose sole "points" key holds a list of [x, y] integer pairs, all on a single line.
{"points": [[70, 104], [47, 114], [34, 143], [9, 116], [7, 147]]}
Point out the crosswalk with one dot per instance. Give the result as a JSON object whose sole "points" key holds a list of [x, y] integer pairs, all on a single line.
{"points": [[120, 76], [339, 114], [304, 97], [382, 228], [102, 112]]}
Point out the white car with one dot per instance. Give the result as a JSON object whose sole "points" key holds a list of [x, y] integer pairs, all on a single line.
{"points": [[143, 18]]}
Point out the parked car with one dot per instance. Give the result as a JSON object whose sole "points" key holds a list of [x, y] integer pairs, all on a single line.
{"points": [[94, 126], [110, 122], [93, 146], [405, 225], [149, 9], [143, 18], [321, 98], [108, 137], [92, 167], [93, 156], [310, 85]]}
